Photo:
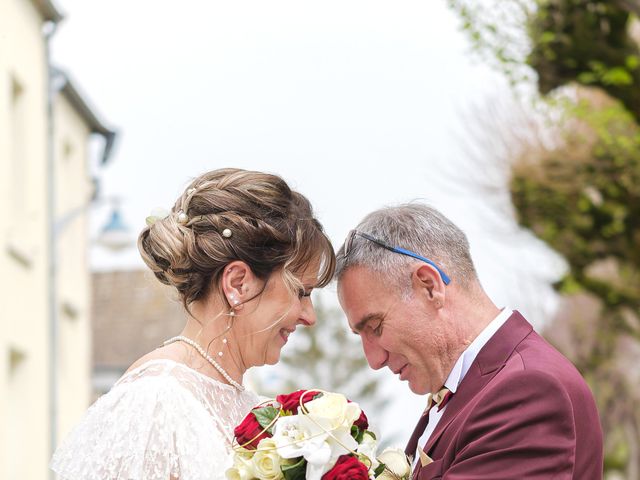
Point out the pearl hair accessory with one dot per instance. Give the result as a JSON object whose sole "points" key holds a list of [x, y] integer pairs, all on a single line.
{"points": [[207, 357], [226, 233], [182, 218]]}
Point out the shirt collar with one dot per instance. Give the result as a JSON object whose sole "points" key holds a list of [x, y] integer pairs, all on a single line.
{"points": [[465, 360]]}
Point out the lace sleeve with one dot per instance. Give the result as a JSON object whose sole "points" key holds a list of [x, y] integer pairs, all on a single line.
{"points": [[150, 429]]}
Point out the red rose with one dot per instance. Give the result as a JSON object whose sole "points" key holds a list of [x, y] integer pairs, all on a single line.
{"points": [[250, 432], [362, 423], [291, 402], [347, 468]]}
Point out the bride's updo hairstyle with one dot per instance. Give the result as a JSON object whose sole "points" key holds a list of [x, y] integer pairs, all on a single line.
{"points": [[232, 214]]}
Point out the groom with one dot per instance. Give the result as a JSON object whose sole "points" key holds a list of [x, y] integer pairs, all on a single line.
{"points": [[503, 403]]}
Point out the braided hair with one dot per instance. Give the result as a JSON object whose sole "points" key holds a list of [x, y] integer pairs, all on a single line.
{"points": [[233, 214]]}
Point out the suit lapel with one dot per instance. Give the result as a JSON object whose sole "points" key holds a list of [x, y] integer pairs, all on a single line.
{"points": [[412, 445], [472, 383], [490, 360]]}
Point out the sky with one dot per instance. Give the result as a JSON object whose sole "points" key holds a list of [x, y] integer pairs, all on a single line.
{"points": [[356, 103]]}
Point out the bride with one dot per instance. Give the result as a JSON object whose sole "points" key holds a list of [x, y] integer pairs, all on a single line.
{"points": [[243, 252]]}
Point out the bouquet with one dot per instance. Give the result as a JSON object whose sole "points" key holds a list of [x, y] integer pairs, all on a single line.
{"points": [[311, 435]]}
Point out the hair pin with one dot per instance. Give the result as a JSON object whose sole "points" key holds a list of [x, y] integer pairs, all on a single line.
{"points": [[182, 218]]}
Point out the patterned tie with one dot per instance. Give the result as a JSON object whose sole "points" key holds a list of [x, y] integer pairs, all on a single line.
{"points": [[440, 398]]}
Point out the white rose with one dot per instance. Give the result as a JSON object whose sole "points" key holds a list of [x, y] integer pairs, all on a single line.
{"points": [[234, 474], [395, 461], [242, 468], [242, 452], [335, 408], [368, 448], [266, 461]]}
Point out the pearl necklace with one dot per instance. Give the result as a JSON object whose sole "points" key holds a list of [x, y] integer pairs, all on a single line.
{"points": [[207, 357]]}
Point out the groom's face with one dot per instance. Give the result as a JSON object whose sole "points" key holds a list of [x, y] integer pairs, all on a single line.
{"points": [[396, 332]]}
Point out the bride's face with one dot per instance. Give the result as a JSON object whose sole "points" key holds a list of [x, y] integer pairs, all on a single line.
{"points": [[266, 330]]}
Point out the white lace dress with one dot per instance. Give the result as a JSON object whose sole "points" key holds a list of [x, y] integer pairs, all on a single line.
{"points": [[162, 420]]}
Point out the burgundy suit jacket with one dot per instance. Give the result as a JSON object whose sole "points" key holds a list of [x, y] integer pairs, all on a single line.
{"points": [[522, 411]]}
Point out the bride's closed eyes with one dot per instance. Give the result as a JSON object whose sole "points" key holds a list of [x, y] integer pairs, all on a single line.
{"points": [[304, 292]]}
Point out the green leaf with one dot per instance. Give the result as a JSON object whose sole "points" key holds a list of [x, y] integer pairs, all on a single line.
{"points": [[632, 62], [587, 78], [379, 469], [356, 433], [584, 204], [617, 76], [569, 286], [265, 417], [297, 471], [547, 37]]}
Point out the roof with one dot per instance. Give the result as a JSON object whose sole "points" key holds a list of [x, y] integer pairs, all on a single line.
{"points": [[132, 313], [78, 101], [48, 10]]}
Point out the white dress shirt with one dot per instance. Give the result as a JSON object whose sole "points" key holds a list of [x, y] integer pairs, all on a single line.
{"points": [[460, 369]]}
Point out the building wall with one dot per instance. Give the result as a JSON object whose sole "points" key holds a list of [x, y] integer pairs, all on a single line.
{"points": [[74, 191], [24, 441], [24, 273]]}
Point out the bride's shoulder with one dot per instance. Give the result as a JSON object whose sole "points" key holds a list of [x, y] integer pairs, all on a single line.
{"points": [[149, 368], [164, 365], [165, 357], [153, 386], [161, 380], [153, 417]]}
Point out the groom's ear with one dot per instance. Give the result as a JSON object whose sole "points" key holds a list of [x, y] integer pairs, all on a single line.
{"points": [[428, 283], [238, 283]]}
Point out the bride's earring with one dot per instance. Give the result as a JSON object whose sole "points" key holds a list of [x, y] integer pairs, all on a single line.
{"points": [[224, 342], [233, 301]]}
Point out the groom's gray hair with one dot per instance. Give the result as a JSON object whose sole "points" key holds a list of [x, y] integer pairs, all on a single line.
{"points": [[413, 226]]}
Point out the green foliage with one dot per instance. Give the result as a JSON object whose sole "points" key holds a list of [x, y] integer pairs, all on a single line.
{"points": [[583, 196], [379, 469], [585, 203], [296, 471], [266, 416], [588, 42], [357, 434], [557, 42], [496, 33], [619, 456]]}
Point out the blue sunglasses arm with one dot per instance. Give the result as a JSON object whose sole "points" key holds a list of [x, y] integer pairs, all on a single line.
{"points": [[444, 276]]}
